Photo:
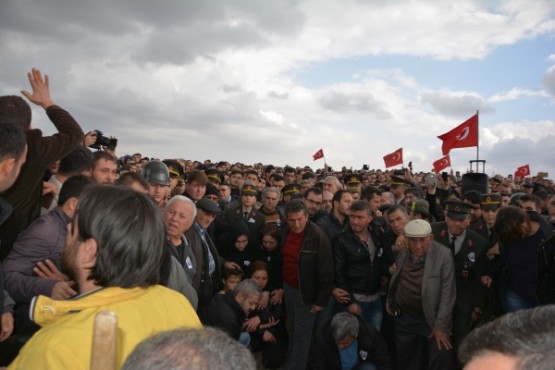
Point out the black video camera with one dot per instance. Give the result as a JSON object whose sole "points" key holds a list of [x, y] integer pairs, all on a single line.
{"points": [[101, 140]]}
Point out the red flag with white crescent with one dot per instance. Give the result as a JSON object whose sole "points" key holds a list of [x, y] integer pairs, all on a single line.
{"points": [[319, 154], [442, 163], [464, 135], [393, 159], [523, 171]]}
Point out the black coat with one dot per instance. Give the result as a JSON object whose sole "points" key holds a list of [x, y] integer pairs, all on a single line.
{"points": [[324, 354], [224, 312], [354, 270]]}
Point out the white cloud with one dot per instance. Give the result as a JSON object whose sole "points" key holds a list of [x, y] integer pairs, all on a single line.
{"points": [[516, 93], [215, 79]]}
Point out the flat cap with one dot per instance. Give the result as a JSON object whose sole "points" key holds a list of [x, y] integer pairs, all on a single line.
{"points": [[417, 229]]}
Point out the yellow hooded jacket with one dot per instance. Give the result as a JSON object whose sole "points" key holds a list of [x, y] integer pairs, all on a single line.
{"points": [[65, 339]]}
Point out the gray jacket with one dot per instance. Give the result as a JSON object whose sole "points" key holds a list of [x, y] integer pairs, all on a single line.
{"points": [[438, 286]]}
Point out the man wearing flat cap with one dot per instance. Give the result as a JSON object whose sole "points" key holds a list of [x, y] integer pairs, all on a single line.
{"points": [[469, 251], [206, 280], [243, 209], [421, 297]]}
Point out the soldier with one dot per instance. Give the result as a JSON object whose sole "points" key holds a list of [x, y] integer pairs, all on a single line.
{"points": [[469, 250], [243, 210]]}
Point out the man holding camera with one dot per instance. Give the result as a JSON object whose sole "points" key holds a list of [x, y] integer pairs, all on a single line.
{"points": [[421, 297]]}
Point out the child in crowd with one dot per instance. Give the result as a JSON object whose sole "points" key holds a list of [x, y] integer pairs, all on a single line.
{"points": [[230, 279]]}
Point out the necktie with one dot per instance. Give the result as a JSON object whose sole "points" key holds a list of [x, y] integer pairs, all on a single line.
{"points": [[452, 244], [245, 216]]}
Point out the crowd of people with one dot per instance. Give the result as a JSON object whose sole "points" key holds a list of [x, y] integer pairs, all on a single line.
{"points": [[306, 269]]}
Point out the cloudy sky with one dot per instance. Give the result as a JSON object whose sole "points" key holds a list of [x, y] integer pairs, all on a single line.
{"points": [[273, 81]]}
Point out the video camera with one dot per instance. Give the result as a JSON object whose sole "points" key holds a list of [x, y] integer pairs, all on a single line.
{"points": [[101, 140]]}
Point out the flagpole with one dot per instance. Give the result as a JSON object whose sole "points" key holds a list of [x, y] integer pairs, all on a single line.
{"points": [[478, 135]]}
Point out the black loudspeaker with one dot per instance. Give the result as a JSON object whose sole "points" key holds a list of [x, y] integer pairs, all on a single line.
{"points": [[474, 181]]}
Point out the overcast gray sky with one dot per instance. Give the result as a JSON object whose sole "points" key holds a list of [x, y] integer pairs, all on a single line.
{"points": [[274, 81]]}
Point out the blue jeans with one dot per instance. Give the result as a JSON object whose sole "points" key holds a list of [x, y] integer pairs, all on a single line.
{"points": [[300, 323], [515, 302]]}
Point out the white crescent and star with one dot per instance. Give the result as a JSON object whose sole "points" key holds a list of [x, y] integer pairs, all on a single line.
{"points": [[396, 156], [464, 134], [444, 162]]}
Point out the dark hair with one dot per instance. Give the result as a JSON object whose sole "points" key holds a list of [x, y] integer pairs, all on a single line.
{"points": [[12, 140], [314, 189], [531, 198], [508, 224], [198, 176], [128, 178], [278, 177], [78, 160], [361, 205], [289, 169], [129, 231], [526, 335], [227, 273], [395, 207], [338, 195], [73, 187], [369, 191], [15, 110], [260, 265], [472, 196], [273, 231], [294, 206], [308, 176], [417, 192], [101, 154]]}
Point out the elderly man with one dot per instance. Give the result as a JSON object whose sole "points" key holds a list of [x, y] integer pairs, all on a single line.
{"points": [[114, 249], [308, 279], [207, 279], [179, 266], [421, 297]]}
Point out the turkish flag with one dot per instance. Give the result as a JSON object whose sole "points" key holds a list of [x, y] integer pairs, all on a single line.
{"points": [[319, 154], [523, 171], [394, 158], [464, 135], [442, 163]]}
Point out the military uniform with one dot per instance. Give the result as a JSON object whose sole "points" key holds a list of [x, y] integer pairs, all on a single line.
{"points": [[470, 266]]}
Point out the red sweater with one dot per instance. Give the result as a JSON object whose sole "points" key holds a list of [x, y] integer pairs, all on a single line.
{"points": [[291, 249]]}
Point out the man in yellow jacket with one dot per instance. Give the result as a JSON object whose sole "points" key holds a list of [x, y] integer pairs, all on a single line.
{"points": [[113, 252]]}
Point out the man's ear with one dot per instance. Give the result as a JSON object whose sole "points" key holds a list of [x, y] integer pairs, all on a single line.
{"points": [[90, 249], [7, 166]]}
